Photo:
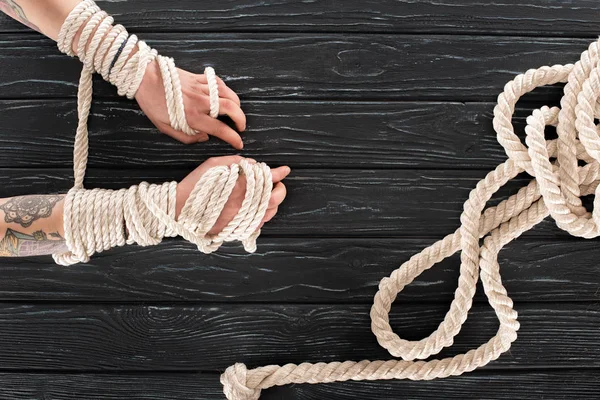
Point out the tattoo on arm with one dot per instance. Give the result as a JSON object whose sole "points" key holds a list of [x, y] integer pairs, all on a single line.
{"points": [[15, 11], [19, 244], [40, 239], [24, 210]]}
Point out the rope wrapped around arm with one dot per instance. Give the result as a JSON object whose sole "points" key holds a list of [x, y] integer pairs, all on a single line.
{"points": [[120, 59], [564, 170], [97, 220]]}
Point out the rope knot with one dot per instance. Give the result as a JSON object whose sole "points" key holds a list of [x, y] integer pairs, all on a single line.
{"points": [[235, 384]]}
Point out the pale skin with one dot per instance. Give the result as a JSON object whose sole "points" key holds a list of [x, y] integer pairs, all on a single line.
{"points": [[23, 218], [47, 16], [25, 227]]}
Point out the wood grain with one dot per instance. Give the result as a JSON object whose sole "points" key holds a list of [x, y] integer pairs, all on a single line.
{"points": [[39, 133], [535, 17], [348, 66], [211, 337], [296, 271], [550, 385], [545, 385], [320, 202], [383, 109]]}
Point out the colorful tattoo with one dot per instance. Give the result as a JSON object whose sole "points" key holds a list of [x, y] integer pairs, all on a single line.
{"points": [[24, 210], [15, 11], [19, 244]]}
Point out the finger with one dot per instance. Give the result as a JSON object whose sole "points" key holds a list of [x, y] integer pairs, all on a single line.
{"points": [[184, 137], [226, 91], [269, 215], [233, 111], [277, 195], [280, 173], [224, 160], [217, 128]]}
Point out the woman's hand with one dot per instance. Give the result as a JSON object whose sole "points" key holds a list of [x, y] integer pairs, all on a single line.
{"points": [[196, 101], [48, 17], [184, 188]]}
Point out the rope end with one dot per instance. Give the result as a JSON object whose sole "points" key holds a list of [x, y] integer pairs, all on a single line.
{"points": [[234, 384]]}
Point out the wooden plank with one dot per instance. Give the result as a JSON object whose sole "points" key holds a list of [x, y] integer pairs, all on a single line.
{"points": [[200, 338], [557, 384], [313, 66], [39, 133], [320, 202], [526, 385], [295, 271], [535, 17]]}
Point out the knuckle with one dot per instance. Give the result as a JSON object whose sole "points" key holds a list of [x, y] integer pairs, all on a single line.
{"points": [[222, 130], [226, 104], [272, 202]]}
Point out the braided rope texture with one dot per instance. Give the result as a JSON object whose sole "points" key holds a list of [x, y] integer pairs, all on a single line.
{"points": [[564, 170], [97, 220]]}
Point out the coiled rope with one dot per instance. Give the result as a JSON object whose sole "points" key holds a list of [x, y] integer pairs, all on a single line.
{"points": [[564, 169], [96, 220]]}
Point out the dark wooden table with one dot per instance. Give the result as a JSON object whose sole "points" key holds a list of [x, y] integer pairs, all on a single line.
{"points": [[383, 109]]}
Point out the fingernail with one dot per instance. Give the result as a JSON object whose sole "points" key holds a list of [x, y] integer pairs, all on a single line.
{"points": [[288, 170]]}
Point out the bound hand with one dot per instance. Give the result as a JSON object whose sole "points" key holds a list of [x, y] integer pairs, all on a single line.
{"points": [[151, 99], [234, 203]]}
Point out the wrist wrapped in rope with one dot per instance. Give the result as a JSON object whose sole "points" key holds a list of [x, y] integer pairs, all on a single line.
{"points": [[109, 50], [96, 220], [565, 169]]}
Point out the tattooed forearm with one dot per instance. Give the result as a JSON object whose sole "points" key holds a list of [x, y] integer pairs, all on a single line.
{"points": [[19, 244], [31, 226], [24, 210], [14, 10]]}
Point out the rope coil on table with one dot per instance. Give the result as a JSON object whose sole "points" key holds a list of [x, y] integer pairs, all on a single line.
{"points": [[96, 220], [564, 170]]}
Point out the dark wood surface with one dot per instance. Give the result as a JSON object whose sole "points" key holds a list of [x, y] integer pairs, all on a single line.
{"points": [[314, 65], [532, 18], [564, 384], [383, 109]]}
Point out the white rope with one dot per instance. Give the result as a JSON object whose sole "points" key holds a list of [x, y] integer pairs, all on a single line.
{"points": [[97, 220], [111, 51], [213, 90], [564, 169]]}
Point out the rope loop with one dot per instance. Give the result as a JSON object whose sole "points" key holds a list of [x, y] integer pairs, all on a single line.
{"points": [[98, 219], [110, 51], [564, 170]]}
